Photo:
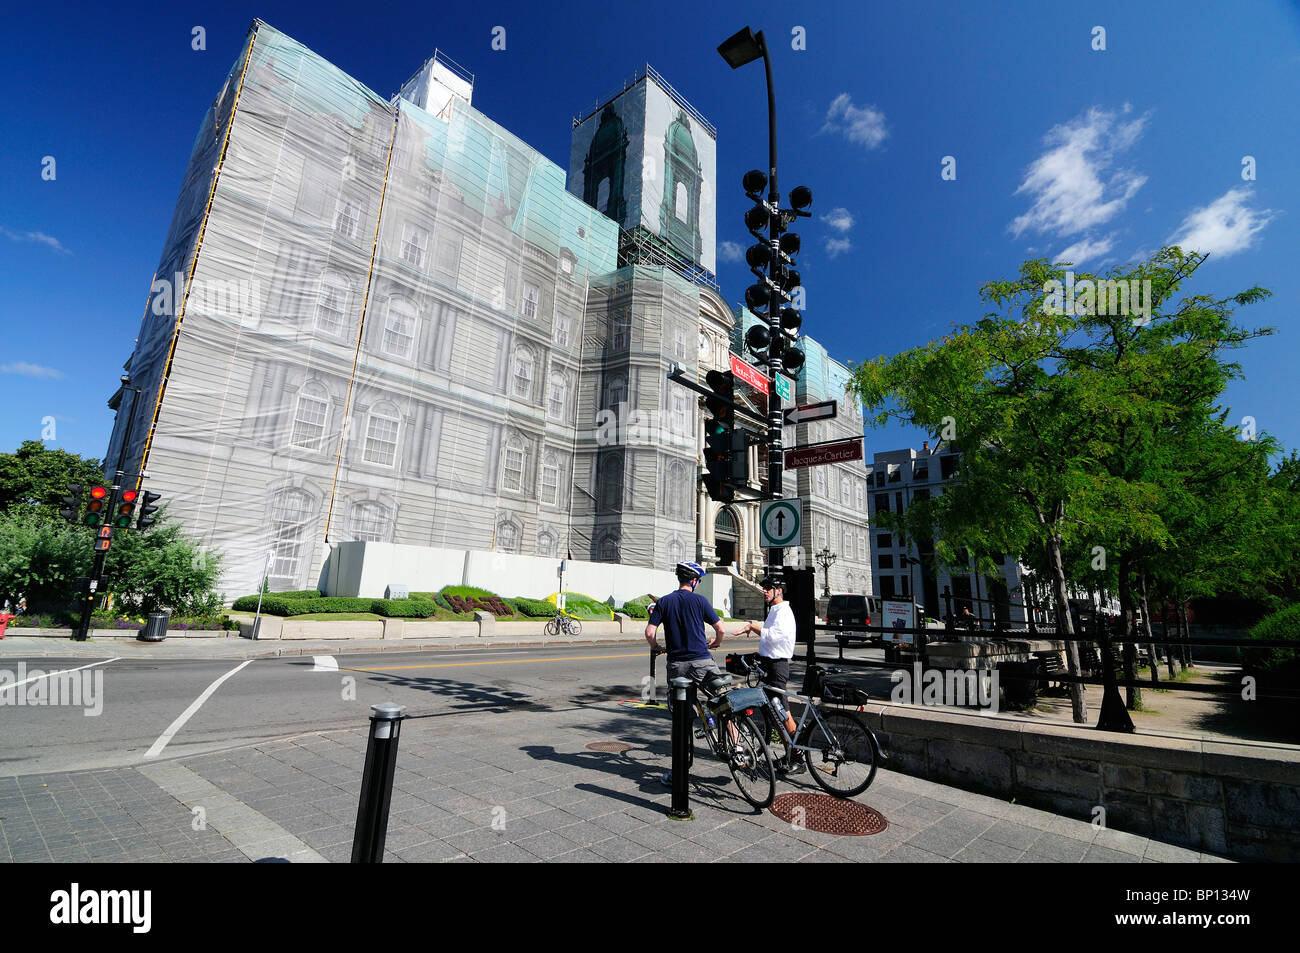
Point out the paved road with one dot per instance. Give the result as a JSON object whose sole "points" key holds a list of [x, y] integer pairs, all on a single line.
{"points": [[261, 759]]}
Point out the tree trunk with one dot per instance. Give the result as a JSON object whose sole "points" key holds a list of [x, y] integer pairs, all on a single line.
{"points": [[1169, 646], [1065, 627], [1146, 630], [1132, 696], [1185, 633]]}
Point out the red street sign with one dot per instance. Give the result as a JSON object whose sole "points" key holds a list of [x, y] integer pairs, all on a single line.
{"points": [[840, 452], [750, 374]]}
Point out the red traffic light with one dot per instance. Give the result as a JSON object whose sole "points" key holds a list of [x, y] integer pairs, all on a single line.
{"points": [[98, 492], [128, 496]]}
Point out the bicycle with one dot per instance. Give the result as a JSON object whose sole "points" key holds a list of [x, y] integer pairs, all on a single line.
{"points": [[563, 623], [839, 748], [727, 712]]}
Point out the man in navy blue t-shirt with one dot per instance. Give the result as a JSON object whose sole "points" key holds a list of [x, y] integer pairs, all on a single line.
{"points": [[684, 615]]}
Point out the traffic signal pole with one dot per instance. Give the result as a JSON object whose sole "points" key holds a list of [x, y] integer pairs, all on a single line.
{"points": [[775, 469]]}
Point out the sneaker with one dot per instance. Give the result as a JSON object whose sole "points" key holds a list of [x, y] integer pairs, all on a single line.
{"points": [[666, 779], [797, 768]]}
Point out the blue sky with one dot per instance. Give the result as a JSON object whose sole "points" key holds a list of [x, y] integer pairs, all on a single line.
{"points": [[1061, 151]]}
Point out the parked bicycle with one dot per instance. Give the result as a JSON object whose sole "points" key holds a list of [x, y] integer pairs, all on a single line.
{"points": [[726, 714], [838, 747], [563, 623]]}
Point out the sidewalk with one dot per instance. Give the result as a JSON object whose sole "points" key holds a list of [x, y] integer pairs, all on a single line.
{"points": [[522, 785]]}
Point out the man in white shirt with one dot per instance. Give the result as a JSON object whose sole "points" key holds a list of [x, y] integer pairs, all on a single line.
{"points": [[775, 648]]}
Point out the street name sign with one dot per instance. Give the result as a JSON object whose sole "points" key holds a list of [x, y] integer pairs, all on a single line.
{"points": [[783, 387], [750, 374], [839, 452], [801, 415], [780, 523]]}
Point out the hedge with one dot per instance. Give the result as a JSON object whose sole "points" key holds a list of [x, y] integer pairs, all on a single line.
{"points": [[533, 608], [298, 594], [279, 605], [635, 610], [403, 608]]}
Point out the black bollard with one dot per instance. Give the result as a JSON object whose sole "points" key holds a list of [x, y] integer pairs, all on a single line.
{"points": [[377, 784], [682, 708]]}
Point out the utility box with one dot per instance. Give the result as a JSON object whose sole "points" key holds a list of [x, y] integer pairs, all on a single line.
{"points": [[397, 591]]}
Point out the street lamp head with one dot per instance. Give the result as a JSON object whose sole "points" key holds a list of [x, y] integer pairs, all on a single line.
{"points": [[800, 197], [757, 256], [756, 218], [741, 48], [754, 181]]}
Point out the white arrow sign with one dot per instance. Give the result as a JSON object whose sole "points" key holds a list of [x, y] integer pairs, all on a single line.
{"points": [[801, 415]]}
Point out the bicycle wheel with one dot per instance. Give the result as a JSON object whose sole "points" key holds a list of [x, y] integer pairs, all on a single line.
{"points": [[751, 766], [575, 627], [552, 628], [844, 756]]}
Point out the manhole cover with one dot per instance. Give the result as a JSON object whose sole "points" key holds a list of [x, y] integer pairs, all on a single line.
{"points": [[828, 815], [613, 747]]}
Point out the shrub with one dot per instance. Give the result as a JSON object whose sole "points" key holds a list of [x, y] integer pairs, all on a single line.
{"points": [[635, 610], [533, 608], [1282, 664], [473, 599], [403, 608], [299, 594]]}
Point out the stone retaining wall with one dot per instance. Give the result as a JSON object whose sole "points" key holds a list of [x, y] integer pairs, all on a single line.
{"points": [[1238, 800]]}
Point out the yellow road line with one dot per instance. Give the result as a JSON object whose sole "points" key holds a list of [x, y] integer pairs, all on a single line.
{"points": [[513, 661]]}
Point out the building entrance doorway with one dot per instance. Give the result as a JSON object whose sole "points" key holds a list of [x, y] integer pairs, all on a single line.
{"points": [[726, 538]]}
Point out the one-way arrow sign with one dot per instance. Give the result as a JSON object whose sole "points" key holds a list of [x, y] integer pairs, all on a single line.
{"points": [[801, 415]]}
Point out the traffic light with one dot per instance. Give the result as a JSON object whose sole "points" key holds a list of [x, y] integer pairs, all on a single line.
{"points": [[148, 506], [72, 502], [96, 508], [104, 539], [125, 508], [718, 430]]}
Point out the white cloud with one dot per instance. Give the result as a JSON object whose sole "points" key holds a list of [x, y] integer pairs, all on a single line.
{"points": [[864, 125], [1224, 227], [731, 251], [838, 246], [1086, 249], [1072, 185], [839, 219], [30, 370], [39, 237]]}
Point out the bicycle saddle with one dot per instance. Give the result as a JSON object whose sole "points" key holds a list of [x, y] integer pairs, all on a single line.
{"points": [[715, 683]]}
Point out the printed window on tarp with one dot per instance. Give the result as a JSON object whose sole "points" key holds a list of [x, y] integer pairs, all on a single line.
{"points": [[399, 328], [677, 490], [611, 482], [508, 536], [615, 392], [514, 462], [522, 373], [289, 518], [550, 482], [607, 548], [562, 325], [558, 399], [371, 522], [415, 241], [382, 428], [676, 549], [547, 542], [310, 416], [347, 219], [332, 304]]}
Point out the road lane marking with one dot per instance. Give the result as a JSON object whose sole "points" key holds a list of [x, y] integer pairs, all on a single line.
{"points": [[513, 661], [188, 713], [324, 663], [51, 674]]}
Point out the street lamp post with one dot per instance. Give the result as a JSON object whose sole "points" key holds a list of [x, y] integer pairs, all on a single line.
{"points": [[826, 559]]}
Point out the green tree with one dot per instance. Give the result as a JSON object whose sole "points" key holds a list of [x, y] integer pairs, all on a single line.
{"points": [[34, 477], [1060, 419]]}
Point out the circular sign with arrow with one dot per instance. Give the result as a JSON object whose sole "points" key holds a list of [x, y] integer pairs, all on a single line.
{"points": [[781, 523]]}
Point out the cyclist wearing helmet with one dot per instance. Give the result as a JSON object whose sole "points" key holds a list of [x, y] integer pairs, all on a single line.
{"points": [[684, 614]]}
